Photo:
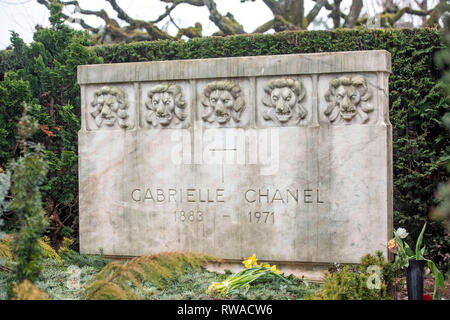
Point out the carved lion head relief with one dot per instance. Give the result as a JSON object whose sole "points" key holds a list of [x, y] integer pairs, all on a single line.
{"points": [[283, 101], [348, 97], [110, 106], [165, 102], [223, 101]]}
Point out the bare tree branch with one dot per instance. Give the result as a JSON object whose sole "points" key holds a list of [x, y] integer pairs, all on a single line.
{"points": [[190, 32], [274, 6], [120, 13], [311, 16], [433, 19], [66, 17], [355, 11], [173, 21], [151, 29], [198, 3], [165, 14], [287, 15], [225, 24], [336, 13], [133, 32], [265, 27], [278, 23], [423, 6], [390, 16], [393, 18]]}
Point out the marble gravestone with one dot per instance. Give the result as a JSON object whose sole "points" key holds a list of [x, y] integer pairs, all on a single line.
{"points": [[288, 157]]}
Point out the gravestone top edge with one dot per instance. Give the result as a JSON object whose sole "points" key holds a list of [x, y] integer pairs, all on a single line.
{"points": [[235, 67]]}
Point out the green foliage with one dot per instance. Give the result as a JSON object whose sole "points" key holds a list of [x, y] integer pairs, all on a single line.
{"points": [[351, 282], [13, 93], [47, 251], [72, 257], [5, 248], [389, 271], [123, 281], [29, 172], [348, 285], [442, 59], [5, 183], [28, 291], [193, 285], [45, 76], [8, 61], [56, 282], [405, 254]]}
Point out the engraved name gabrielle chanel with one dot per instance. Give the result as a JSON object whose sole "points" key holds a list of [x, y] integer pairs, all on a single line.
{"points": [[259, 195]]}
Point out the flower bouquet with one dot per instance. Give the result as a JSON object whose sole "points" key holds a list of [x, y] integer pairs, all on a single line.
{"points": [[407, 258], [252, 272]]}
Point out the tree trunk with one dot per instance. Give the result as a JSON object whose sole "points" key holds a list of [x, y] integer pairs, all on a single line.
{"points": [[293, 11], [355, 11], [423, 6], [335, 13]]}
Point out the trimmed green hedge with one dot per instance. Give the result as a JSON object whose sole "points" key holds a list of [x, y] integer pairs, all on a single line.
{"points": [[401, 43], [416, 97]]}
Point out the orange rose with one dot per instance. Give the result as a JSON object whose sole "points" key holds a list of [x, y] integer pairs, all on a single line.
{"points": [[392, 246]]}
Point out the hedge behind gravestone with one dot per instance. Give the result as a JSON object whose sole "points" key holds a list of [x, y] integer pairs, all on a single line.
{"points": [[43, 75], [417, 102]]}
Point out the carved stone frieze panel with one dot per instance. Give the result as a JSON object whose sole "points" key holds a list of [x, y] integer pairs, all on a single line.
{"points": [[348, 100], [110, 107], [284, 102], [223, 104], [282, 99], [165, 107]]}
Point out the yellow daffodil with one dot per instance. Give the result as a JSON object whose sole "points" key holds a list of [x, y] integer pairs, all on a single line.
{"points": [[250, 262], [254, 260], [243, 278], [274, 269], [264, 266]]}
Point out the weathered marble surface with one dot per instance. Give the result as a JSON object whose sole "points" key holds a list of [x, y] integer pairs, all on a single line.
{"points": [[238, 156]]}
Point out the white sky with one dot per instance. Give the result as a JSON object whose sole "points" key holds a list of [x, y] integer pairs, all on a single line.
{"points": [[23, 15]]}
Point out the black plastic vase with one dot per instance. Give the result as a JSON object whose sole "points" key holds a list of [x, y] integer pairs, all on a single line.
{"points": [[414, 279]]}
